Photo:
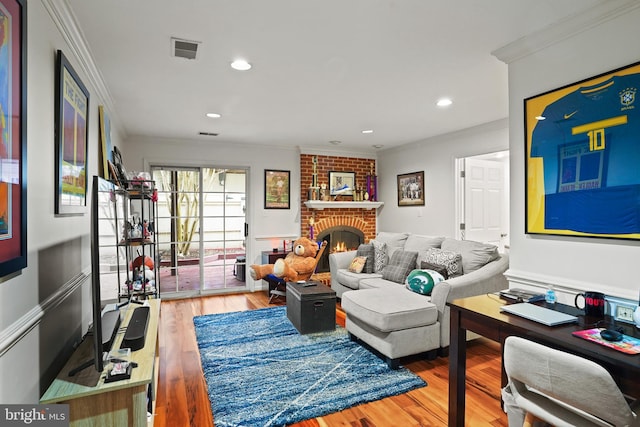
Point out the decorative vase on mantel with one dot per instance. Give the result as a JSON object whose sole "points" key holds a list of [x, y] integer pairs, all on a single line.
{"points": [[372, 185]]}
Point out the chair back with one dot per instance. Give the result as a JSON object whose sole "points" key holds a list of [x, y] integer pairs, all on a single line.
{"points": [[321, 249], [563, 389]]}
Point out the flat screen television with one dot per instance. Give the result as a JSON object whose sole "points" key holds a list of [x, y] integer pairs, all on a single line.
{"points": [[105, 324]]}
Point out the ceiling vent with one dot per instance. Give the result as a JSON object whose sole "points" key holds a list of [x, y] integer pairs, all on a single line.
{"points": [[184, 48], [207, 134]]}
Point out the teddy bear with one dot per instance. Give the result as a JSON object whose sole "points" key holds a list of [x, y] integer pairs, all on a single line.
{"points": [[299, 264]]}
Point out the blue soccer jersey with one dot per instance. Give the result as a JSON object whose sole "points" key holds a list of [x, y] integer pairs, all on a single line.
{"points": [[589, 141]]}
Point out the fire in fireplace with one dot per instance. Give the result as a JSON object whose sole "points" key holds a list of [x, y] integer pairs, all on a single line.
{"points": [[339, 239]]}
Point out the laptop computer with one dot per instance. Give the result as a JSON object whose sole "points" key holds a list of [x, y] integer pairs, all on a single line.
{"points": [[543, 315]]}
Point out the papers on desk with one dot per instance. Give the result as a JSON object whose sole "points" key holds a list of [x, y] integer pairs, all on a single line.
{"points": [[543, 315]]}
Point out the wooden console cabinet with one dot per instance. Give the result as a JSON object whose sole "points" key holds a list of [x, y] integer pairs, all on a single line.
{"points": [[93, 402]]}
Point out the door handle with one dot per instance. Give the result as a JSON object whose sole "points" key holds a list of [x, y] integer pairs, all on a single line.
{"points": [[246, 229]]}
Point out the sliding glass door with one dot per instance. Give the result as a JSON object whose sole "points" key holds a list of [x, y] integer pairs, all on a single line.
{"points": [[201, 229]]}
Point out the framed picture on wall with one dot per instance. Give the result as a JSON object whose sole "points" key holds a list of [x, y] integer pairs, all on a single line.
{"points": [[13, 138], [342, 183], [411, 189], [105, 142], [582, 156], [277, 188], [72, 131]]}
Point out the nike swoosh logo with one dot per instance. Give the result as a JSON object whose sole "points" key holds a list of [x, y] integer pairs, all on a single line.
{"points": [[568, 116]]}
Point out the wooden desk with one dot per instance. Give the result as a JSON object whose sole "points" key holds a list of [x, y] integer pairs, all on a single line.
{"points": [[121, 403], [481, 314]]}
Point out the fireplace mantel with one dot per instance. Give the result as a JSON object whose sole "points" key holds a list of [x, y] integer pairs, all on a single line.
{"points": [[320, 205]]}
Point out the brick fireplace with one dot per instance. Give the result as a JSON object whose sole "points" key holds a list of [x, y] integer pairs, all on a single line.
{"points": [[336, 223]]}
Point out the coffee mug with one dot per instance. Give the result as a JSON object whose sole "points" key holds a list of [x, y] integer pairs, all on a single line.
{"points": [[594, 303]]}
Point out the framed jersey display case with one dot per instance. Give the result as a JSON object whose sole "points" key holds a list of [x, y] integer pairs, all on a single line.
{"points": [[583, 158]]}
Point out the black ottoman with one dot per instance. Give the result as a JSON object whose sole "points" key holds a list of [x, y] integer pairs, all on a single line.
{"points": [[311, 308]]}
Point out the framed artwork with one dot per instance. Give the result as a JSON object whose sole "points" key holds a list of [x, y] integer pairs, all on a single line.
{"points": [[116, 168], [13, 136], [582, 156], [277, 188], [342, 183], [411, 189], [72, 131], [105, 142]]}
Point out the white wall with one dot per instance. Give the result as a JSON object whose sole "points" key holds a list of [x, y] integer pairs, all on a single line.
{"points": [[436, 157], [570, 263], [44, 308]]}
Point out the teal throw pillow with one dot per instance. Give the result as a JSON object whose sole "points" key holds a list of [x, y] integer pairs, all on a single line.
{"points": [[423, 281]]}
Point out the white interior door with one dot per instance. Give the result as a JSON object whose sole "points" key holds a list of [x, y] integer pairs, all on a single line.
{"points": [[484, 201]]}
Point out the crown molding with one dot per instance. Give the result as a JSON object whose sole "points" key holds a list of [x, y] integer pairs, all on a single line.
{"points": [[563, 29], [66, 22]]}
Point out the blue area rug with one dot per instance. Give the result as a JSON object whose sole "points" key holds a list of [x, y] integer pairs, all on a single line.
{"points": [[261, 372]]}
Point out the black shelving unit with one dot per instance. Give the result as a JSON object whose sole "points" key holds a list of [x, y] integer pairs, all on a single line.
{"points": [[136, 231]]}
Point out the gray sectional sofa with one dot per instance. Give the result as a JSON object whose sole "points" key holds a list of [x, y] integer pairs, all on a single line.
{"points": [[382, 312]]}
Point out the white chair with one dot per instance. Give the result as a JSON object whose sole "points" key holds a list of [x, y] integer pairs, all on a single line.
{"points": [[563, 389]]}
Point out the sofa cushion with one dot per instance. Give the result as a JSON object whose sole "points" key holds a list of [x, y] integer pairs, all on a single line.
{"points": [[441, 269], [352, 280], [393, 240], [380, 255], [390, 309], [422, 281], [399, 266], [474, 254], [366, 249], [357, 264], [378, 283], [452, 261], [417, 243]]}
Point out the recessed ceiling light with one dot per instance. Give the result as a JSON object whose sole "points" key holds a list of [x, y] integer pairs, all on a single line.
{"points": [[335, 142], [444, 102], [367, 131], [377, 146], [240, 65], [214, 115]]}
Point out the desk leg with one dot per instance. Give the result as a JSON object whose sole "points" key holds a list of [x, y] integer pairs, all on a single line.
{"points": [[457, 370]]}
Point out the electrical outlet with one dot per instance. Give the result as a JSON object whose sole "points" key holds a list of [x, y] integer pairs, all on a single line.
{"points": [[624, 313]]}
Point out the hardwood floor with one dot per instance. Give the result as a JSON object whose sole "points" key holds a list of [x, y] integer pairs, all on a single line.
{"points": [[182, 396]]}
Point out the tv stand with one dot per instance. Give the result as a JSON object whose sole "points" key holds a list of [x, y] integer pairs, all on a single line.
{"points": [[120, 403]]}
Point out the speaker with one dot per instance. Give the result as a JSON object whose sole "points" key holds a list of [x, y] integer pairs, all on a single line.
{"points": [[136, 332]]}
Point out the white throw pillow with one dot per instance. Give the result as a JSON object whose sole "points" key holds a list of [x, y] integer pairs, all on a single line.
{"points": [[380, 253]]}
